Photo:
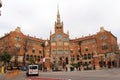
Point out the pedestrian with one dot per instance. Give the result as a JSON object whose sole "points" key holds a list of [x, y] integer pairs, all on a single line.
{"points": [[3, 69], [66, 68], [94, 67]]}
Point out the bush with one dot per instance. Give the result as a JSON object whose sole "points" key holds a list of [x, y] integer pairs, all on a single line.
{"points": [[75, 65]]}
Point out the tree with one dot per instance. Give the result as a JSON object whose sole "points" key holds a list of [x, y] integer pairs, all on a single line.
{"points": [[5, 57]]}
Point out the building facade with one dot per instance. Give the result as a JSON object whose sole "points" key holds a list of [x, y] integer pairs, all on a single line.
{"points": [[59, 51]]}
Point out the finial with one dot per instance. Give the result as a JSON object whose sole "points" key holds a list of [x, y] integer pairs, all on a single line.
{"points": [[18, 29], [58, 14], [102, 29], [57, 6], [58, 9]]}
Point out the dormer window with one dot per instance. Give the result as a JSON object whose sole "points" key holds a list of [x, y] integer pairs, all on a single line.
{"points": [[103, 37], [40, 51], [17, 38]]}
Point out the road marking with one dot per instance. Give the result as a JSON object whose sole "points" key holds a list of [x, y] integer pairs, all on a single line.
{"points": [[38, 78]]}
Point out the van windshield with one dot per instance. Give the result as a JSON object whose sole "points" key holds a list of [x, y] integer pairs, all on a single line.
{"points": [[33, 67]]}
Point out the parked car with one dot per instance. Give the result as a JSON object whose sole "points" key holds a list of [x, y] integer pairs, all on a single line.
{"points": [[23, 68], [9, 68]]}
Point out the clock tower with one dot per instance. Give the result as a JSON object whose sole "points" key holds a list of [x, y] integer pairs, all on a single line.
{"points": [[59, 45]]}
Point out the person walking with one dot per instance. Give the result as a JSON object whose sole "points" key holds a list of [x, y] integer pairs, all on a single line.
{"points": [[3, 69]]}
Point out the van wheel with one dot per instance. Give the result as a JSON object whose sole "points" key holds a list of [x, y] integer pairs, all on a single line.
{"points": [[27, 74], [37, 75]]}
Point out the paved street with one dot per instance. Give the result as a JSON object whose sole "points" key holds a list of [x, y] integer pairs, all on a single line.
{"points": [[110, 74]]}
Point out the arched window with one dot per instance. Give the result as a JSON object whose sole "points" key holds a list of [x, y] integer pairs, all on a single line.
{"points": [[66, 60], [85, 56], [72, 58], [33, 50], [27, 57], [35, 57], [86, 49], [38, 58], [78, 57], [89, 56], [104, 46], [40, 51]]}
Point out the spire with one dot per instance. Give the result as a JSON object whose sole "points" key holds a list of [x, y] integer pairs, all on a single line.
{"points": [[58, 15], [58, 23]]}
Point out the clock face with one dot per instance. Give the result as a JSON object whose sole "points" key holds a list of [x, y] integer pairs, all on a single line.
{"points": [[59, 36]]}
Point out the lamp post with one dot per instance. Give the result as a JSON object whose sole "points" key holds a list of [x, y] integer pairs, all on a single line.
{"points": [[79, 43], [25, 50], [71, 52], [80, 53], [17, 49], [43, 46], [117, 58]]}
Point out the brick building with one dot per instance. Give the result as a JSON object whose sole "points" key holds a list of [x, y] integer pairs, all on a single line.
{"points": [[58, 52]]}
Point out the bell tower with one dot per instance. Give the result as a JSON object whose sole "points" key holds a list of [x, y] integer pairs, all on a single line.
{"points": [[58, 23]]}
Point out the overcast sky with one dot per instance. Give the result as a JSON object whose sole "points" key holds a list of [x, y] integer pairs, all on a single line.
{"points": [[80, 17]]}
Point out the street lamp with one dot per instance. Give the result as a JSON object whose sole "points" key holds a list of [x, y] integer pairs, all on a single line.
{"points": [[72, 57], [17, 49], [25, 50], [43, 46]]}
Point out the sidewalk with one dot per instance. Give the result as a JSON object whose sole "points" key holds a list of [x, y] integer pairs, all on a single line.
{"points": [[2, 76], [9, 75]]}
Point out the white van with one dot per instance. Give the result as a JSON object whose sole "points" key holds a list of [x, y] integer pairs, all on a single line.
{"points": [[32, 70]]}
